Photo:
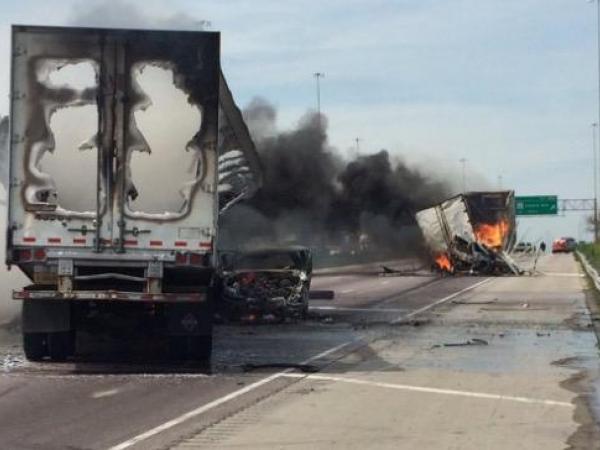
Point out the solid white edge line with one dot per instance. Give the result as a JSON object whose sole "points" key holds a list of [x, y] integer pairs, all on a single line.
{"points": [[217, 402], [438, 302], [221, 400], [362, 310], [107, 393], [406, 387]]}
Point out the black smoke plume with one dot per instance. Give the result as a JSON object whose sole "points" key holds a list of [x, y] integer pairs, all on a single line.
{"points": [[313, 196], [4, 150]]}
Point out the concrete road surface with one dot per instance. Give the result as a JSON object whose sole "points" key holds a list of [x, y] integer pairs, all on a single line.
{"points": [[397, 362]]}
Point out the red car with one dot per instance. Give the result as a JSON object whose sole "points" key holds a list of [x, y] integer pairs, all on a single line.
{"points": [[564, 245]]}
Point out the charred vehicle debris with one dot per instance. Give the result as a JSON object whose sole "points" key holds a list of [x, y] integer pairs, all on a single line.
{"points": [[135, 242], [472, 233], [263, 283]]}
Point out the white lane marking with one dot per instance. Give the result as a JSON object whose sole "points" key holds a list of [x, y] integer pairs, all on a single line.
{"points": [[406, 387], [385, 282], [347, 291], [438, 302], [366, 310], [108, 393], [563, 274], [219, 401]]}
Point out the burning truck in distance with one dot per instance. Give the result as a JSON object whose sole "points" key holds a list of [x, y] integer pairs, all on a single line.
{"points": [[471, 233]]}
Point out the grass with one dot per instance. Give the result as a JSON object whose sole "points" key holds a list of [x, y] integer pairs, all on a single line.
{"points": [[592, 253]]}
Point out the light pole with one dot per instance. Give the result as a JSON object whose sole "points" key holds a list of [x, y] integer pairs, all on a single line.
{"points": [[594, 128], [357, 140], [598, 42], [463, 162], [595, 125], [318, 76]]}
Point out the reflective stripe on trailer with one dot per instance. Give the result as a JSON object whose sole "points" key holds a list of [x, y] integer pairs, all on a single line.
{"points": [[108, 296]]}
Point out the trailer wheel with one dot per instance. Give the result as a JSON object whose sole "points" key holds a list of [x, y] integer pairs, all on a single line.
{"points": [[34, 346], [201, 350], [61, 345]]}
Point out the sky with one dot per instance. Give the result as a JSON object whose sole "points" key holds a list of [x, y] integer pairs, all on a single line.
{"points": [[511, 85]]}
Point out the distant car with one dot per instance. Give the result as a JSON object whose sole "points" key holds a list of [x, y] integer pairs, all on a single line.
{"points": [[564, 245], [266, 282]]}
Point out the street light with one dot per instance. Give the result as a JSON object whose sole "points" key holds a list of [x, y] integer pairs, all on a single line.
{"points": [[598, 56], [595, 125], [463, 161], [594, 128], [318, 76]]}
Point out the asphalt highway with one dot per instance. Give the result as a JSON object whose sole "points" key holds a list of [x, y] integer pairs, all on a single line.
{"points": [[376, 335]]}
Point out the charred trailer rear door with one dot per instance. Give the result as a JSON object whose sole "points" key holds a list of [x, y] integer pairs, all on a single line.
{"points": [[129, 213], [493, 217]]}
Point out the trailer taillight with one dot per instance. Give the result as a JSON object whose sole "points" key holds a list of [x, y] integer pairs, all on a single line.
{"points": [[23, 255], [39, 254], [181, 258], [196, 259]]}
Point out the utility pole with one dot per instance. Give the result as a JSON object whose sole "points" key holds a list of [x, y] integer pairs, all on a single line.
{"points": [[357, 140], [463, 162], [594, 128], [596, 124], [318, 76]]}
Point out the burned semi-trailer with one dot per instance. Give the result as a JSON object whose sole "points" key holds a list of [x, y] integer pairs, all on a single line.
{"points": [[138, 253], [471, 232]]}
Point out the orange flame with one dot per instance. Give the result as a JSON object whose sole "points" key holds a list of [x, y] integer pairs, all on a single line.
{"points": [[443, 262], [492, 234]]}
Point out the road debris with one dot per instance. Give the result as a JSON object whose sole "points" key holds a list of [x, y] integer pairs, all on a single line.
{"points": [[462, 302], [305, 368], [388, 271], [473, 341], [321, 294]]}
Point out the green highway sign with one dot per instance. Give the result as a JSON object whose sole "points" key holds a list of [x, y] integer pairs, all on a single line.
{"points": [[536, 205]]}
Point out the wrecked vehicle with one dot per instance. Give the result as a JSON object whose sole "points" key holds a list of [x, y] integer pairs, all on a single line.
{"points": [[472, 232], [118, 233], [266, 282]]}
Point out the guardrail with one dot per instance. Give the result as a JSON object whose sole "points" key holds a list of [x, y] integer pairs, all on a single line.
{"points": [[593, 273]]}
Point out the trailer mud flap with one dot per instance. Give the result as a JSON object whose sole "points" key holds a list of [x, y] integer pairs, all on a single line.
{"points": [[42, 316], [189, 319]]}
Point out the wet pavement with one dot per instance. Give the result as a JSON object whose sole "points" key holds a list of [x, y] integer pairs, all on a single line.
{"points": [[407, 361]]}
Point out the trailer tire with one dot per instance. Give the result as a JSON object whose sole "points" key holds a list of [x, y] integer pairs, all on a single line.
{"points": [[35, 346], [60, 345], [201, 350]]}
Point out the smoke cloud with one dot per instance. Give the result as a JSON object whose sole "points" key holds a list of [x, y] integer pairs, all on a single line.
{"points": [[313, 196], [4, 150], [123, 14]]}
